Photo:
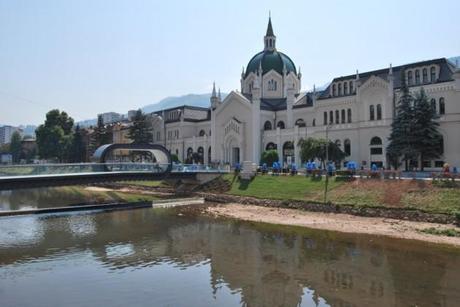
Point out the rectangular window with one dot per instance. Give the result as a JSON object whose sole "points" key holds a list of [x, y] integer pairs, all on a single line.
{"points": [[438, 163], [376, 151], [325, 118], [426, 163]]}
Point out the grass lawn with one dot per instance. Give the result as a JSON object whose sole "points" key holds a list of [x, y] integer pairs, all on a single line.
{"points": [[410, 194], [280, 187]]}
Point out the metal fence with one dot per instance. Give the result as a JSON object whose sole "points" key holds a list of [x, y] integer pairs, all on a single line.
{"points": [[79, 168]]}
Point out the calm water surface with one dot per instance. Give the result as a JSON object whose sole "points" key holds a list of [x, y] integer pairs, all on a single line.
{"points": [[38, 198], [150, 257]]}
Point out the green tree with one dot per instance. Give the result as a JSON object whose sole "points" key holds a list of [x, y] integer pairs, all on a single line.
{"points": [[427, 138], [312, 148], [402, 141], [78, 150], [140, 131], [103, 134], [16, 146], [269, 156], [54, 137]]}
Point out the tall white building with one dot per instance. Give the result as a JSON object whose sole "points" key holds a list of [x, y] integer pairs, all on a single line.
{"points": [[271, 112], [6, 132]]}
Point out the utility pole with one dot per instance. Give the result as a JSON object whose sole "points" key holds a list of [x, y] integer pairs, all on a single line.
{"points": [[327, 161]]}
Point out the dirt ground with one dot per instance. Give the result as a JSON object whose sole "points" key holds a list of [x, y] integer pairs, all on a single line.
{"points": [[336, 222]]}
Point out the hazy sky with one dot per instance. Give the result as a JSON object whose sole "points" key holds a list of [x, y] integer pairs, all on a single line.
{"points": [[87, 57]]}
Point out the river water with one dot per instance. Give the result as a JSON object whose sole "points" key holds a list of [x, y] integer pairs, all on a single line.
{"points": [[162, 257]]}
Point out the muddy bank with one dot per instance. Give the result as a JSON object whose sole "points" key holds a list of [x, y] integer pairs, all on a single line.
{"points": [[366, 211], [335, 222]]}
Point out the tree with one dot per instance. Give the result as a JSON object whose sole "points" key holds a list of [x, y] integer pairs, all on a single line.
{"points": [[54, 137], [78, 150], [103, 134], [311, 149], [427, 138], [269, 156], [140, 131], [402, 141], [16, 146]]}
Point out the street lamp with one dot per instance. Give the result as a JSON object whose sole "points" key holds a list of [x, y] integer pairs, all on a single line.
{"points": [[327, 160]]}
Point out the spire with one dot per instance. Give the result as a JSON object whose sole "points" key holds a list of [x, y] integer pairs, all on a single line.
{"points": [[218, 95], [269, 27], [391, 69], [357, 75], [270, 38], [214, 90]]}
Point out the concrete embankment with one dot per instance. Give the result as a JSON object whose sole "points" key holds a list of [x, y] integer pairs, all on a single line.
{"points": [[108, 207]]}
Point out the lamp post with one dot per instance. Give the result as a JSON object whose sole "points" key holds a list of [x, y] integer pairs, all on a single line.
{"points": [[327, 160]]}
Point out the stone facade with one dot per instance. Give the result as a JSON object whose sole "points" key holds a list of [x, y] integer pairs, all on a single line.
{"points": [[271, 112]]}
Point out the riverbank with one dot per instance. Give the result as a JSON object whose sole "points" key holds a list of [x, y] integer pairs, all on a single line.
{"points": [[335, 222]]}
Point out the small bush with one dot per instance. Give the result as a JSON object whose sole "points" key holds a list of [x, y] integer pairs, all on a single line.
{"points": [[442, 232]]}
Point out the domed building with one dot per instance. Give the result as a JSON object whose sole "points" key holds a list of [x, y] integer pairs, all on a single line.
{"points": [[270, 112]]}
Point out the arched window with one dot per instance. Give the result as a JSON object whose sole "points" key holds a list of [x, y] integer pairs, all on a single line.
{"points": [[345, 88], [376, 141], [267, 125], [409, 78], [433, 74], [300, 122], [189, 152], [417, 76], [371, 112], [441, 145], [338, 143], [272, 85], [325, 118], [433, 105], [351, 87], [271, 146], [331, 117], [442, 106], [280, 125], [347, 147], [425, 75], [313, 123], [200, 155], [337, 117], [340, 89], [376, 146], [343, 116], [379, 112], [288, 152], [349, 115], [202, 133], [334, 91]]}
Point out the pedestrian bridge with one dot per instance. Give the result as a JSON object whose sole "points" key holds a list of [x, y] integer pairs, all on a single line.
{"points": [[104, 169]]}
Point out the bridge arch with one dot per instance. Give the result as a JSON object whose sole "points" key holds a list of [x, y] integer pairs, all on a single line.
{"points": [[161, 154]]}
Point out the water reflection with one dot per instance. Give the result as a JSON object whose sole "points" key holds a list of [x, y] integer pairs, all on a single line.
{"points": [[37, 198], [162, 259]]}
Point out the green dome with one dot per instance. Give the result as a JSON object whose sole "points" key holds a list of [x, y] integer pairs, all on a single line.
{"points": [[270, 60]]}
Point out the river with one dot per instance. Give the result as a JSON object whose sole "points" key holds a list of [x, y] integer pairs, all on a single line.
{"points": [[167, 257]]}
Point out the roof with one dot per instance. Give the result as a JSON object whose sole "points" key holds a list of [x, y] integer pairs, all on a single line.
{"points": [[273, 104], [270, 28], [269, 60], [445, 74]]}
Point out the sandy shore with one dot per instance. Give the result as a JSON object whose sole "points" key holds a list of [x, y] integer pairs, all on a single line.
{"points": [[336, 222]]}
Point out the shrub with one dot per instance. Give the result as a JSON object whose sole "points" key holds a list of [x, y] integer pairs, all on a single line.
{"points": [[269, 156]]}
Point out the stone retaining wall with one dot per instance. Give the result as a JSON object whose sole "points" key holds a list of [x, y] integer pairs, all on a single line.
{"points": [[393, 213]]}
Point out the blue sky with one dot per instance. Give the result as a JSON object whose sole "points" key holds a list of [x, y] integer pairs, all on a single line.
{"points": [[87, 57]]}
